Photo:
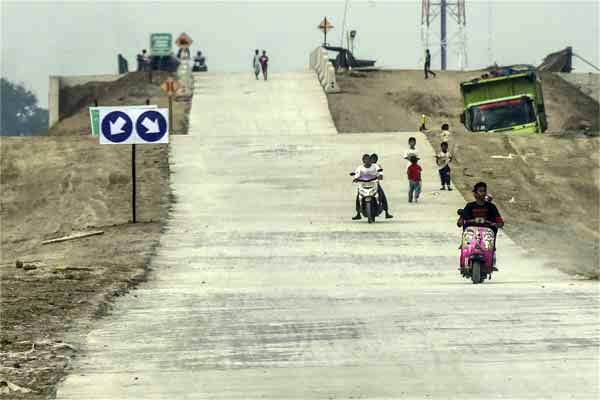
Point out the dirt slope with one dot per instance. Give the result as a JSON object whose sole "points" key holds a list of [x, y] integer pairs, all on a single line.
{"points": [[395, 100], [549, 190], [132, 89], [54, 186]]}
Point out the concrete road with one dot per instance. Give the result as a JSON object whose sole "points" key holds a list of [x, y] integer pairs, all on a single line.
{"points": [[263, 287]]}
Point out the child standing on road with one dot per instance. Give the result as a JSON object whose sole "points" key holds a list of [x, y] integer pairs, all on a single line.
{"points": [[443, 159], [414, 179], [423, 128], [412, 149], [445, 134]]}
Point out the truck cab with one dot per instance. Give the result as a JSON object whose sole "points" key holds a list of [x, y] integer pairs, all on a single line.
{"points": [[507, 99]]}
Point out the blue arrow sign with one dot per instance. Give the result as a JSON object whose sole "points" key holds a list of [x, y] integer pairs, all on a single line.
{"points": [[116, 127], [151, 126]]}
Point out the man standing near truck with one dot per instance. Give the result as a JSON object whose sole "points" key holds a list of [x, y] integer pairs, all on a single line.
{"points": [[428, 64]]}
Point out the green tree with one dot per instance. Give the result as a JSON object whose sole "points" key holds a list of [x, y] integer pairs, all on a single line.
{"points": [[19, 111]]}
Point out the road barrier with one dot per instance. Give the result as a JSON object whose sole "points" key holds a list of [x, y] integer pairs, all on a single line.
{"points": [[324, 69]]}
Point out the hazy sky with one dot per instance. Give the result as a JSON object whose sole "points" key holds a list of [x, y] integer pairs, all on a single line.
{"points": [[42, 38]]}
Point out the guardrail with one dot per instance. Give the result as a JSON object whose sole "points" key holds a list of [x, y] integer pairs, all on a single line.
{"points": [[319, 62]]}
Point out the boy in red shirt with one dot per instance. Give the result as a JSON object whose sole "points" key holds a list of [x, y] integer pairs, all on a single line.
{"points": [[414, 179]]}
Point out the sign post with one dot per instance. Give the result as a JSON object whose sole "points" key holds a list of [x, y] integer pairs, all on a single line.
{"points": [[170, 86], [133, 191], [133, 126], [325, 26]]}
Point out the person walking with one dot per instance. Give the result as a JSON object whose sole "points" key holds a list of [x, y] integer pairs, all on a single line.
{"points": [[414, 180], [256, 63], [445, 133], [423, 128], [142, 61], [428, 65], [443, 160], [264, 63]]}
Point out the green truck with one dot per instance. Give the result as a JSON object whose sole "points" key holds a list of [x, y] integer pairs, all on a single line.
{"points": [[506, 99]]}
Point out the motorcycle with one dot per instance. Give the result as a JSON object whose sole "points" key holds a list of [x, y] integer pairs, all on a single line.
{"points": [[368, 197], [477, 250]]}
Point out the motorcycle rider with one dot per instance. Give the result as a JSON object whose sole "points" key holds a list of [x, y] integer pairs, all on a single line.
{"points": [[477, 212], [366, 171], [382, 197]]}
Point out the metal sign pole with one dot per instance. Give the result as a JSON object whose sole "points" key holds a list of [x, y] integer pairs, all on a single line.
{"points": [[170, 112], [133, 190]]}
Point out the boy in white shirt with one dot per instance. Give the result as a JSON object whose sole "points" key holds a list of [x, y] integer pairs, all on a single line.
{"points": [[445, 134], [366, 171], [443, 159], [412, 150]]}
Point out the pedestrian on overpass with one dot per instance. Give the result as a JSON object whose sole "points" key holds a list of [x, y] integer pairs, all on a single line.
{"points": [[256, 63], [141, 61], [264, 63], [428, 64], [147, 64]]}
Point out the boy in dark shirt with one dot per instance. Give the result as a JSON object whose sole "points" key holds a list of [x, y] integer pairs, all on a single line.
{"points": [[477, 212], [264, 63], [481, 212]]}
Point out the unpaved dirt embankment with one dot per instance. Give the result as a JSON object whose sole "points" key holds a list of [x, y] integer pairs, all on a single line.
{"points": [[58, 185], [134, 88], [549, 188]]}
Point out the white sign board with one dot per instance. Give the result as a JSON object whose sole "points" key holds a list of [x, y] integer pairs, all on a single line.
{"points": [[129, 126], [95, 115]]}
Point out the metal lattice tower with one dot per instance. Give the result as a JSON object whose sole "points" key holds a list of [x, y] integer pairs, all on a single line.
{"points": [[430, 10]]}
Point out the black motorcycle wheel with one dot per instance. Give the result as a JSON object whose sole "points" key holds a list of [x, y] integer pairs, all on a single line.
{"points": [[370, 212], [476, 272]]}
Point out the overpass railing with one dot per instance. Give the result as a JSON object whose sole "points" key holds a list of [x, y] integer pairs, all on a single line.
{"points": [[324, 69]]}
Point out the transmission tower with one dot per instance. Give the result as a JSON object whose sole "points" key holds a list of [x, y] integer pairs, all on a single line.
{"points": [[430, 10]]}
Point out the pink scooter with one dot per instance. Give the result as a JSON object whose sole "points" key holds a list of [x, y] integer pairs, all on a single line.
{"points": [[477, 250]]}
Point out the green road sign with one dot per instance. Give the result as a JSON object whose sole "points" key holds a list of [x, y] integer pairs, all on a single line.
{"points": [[95, 120], [160, 44]]}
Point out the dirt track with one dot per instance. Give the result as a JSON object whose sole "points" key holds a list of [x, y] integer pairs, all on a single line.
{"points": [[549, 191]]}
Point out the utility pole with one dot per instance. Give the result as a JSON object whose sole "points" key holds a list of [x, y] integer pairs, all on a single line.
{"points": [[449, 11], [443, 38]]}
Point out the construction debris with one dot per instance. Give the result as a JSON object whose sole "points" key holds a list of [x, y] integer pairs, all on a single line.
{"points": [[8, 388], [73, 237], [32, 265]]}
